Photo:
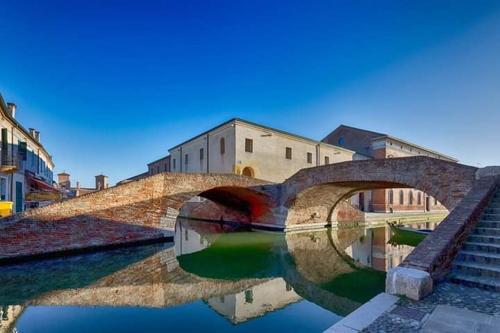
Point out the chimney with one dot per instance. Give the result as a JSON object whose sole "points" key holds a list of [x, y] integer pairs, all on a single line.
{"points": [[37, 135], [77, 192], [11, 109], [32, 132]]}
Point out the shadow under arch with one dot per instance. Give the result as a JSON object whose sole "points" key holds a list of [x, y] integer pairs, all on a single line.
{"points": [[255, 204]]}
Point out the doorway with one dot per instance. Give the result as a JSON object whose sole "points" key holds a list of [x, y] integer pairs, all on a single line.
{"points": [[19, 197], [248, 171]]}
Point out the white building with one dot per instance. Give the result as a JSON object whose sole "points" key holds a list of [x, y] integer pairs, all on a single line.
{"points": [[242, 147], [25, 165]]}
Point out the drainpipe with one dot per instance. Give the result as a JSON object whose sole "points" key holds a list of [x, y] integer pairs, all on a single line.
{"points": [[318, 162], [12, 159], [180, 158], [208, 154]]}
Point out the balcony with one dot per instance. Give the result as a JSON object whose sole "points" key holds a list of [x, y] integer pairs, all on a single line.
{"points": [[10, 163]]}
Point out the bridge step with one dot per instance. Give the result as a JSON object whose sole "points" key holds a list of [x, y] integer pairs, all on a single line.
{"points": [[490, 217], [475, 238], [492, 211], [476, 281], [483, 247], [487, 231], [479, 257], [488, 224], [478, 262], [477, 269]]}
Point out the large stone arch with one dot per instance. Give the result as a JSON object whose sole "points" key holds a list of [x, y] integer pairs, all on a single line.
{"points": [[311, 194]]}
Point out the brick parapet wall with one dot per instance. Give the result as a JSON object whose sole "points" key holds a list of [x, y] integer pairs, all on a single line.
{"points": [[437, 251], [141, 201]]}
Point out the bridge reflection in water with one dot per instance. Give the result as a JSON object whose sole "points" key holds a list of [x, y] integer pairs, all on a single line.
{"points": [[243, 276]]}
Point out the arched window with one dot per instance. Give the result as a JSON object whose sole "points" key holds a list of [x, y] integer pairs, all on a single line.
{"points": [[401, 197], [341, 141], [391, 197], [419, 198], [222, 143], [435, 202], [411, 198]]}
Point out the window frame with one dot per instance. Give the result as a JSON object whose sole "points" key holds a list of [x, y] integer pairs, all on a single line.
{"points": [[248, 145]]}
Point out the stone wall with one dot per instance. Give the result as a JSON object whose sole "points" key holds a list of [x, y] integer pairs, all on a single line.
{"points": [[436, 253]]}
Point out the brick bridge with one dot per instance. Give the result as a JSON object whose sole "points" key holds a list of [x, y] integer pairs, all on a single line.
{"points": [[144, 210]]}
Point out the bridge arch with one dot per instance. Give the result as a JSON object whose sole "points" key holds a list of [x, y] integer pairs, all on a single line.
{"points": [[313, 193], [255, 204]]}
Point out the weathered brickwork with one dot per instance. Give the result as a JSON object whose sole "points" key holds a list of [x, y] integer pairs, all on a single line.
{"points": [[436, 253], [128, 213], [311, 194], [141, 210]]}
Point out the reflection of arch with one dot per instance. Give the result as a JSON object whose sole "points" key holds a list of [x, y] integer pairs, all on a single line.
{"points": [[311, 193], [248, 171]]}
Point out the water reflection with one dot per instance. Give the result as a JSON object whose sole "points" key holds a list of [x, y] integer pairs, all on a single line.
{"points": [[229, 278]]}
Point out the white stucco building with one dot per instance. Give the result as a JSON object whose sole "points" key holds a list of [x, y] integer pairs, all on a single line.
{"points": [[242, 147], [25, 165]]}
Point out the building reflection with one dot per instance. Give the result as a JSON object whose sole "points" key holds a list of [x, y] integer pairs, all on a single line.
{"points": [[8, 317], [372, 247], [255, 301], [291, 267]]}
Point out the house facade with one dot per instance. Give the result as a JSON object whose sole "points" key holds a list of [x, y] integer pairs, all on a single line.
{"points": [[26, 168], [369, 144], [246, 148], [158, 166]]}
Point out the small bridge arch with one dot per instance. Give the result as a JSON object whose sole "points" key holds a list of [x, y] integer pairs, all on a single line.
{"points": [[311, 194]]}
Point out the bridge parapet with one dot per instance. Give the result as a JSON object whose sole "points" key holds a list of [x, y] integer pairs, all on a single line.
{"points": [[435, 254]]}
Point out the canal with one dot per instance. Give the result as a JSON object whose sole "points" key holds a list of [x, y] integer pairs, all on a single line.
{"points": [[216, 278]]}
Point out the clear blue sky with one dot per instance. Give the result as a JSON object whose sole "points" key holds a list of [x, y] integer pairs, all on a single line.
{"points": [[113, 86]]}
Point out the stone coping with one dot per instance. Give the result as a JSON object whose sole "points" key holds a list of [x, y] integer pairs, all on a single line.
{"points": [[83, 250], [363, 316]]}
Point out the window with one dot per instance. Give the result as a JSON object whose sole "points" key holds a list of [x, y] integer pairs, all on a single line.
{"points": [[3, 188], [248, 296], [222, 144], [401, 197], [435, 202], [288, 153], [391, 197], [201, 154], [411, 198], [309, 157], [327, 160], [419, 198], [186, 160], [341, 141], [249, 145], [174, 164], [186, 235], [22, 150]]}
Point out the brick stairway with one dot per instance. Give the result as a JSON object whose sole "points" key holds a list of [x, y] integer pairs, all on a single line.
{"points": [[478, 262]]}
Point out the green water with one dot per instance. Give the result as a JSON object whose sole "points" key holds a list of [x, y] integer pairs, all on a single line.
{"points": [[214, 278]]}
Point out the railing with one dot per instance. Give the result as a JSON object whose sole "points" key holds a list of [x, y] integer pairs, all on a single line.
{"points": [[10, 163]]}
